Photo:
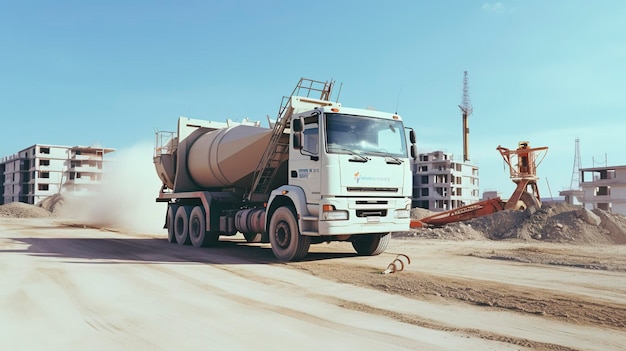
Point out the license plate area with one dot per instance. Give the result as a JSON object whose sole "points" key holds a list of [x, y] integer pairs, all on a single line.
{"points": [[373, 219]]}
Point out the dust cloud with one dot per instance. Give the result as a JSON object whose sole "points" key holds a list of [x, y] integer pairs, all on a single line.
{"points": [[126, 197]]}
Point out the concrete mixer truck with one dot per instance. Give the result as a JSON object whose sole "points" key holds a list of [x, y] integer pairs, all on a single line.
{"points": [[320, 173]]}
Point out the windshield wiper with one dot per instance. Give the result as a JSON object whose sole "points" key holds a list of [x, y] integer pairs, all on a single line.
{"points": [[388, 157], [396, 160], [356, 158]]}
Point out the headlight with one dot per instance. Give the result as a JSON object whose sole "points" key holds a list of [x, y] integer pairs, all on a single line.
{"points": [[402, 214], [330, 213]]}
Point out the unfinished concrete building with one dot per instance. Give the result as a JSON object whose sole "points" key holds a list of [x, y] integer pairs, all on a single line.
{"points": [[41, 170], [604, 188], [440, 184]]}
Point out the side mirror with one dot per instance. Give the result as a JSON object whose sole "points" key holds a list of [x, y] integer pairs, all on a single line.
{"points": [[297, 140], [296, 130], [413, 151], [297, 125], [412, 136]]}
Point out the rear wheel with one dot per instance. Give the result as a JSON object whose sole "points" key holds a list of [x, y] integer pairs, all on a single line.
{"points": [[370, 244], [197, 229], [285, 239], [181, 225], [171, 213]]}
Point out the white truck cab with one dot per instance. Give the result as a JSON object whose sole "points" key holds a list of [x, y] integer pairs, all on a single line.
{"points": [[349, 176]]}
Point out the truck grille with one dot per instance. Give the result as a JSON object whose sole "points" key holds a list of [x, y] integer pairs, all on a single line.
{"points": [[363, 189], [372, 202], [371, 213]]}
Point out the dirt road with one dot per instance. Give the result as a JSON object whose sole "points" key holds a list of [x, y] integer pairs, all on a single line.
{"points": [[67, 287]]}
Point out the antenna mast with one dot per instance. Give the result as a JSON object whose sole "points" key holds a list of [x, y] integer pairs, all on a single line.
{"points": [[466, 110], [575, 183]]}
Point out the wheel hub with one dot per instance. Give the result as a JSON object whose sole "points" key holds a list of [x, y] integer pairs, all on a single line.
{"points": [[194, 228], [282, 234], [180, 225]]}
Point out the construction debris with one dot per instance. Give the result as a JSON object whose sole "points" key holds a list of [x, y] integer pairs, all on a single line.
{"points": [[552, 223]]}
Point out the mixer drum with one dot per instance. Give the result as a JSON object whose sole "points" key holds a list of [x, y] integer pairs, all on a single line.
{"points": [[227, 157]]}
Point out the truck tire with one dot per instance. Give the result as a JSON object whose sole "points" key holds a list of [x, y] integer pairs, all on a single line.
{"points": [[285, 239], [197, 229], [181, 225], [253, 237], [370, 244], [171, 213]]}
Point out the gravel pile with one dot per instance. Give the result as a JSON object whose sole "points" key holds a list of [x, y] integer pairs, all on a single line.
{"points": [[22, 210], [552, 223]]}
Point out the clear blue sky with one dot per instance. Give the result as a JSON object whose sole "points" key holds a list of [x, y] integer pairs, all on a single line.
{"points": [[111, 72]]}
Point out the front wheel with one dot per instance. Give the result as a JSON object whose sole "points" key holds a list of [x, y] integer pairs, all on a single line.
{"points": [[285, 239], [370, 244]]}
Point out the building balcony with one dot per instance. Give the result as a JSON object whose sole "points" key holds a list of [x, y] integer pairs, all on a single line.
{"points": [[79, 181], [48, 192], [600, 182], [42, 155], [598, 198], [86, 157], [42, 168], [85, 169]]}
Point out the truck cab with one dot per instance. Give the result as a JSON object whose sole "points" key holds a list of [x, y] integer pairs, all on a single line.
{"points": [[349, 176]]}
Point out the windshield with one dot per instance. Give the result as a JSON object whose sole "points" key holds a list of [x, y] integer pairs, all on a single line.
{"points": [[364, 135]]}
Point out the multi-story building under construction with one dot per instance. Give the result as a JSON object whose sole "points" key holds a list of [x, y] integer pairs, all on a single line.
{"points": [[42, 170], [441, 184], [604, 188]]}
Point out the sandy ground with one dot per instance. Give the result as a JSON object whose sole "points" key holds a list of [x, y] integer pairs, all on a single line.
{"points": [[66, 287]]}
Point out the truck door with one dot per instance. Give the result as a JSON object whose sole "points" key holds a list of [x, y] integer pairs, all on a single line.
{"points": [[304, 164]]}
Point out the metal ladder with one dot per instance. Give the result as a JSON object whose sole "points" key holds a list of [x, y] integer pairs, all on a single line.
{"points": [[278, 151]]}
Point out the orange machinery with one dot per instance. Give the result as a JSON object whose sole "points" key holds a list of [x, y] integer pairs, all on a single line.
{"points": [[522, 163], [524, 174]]}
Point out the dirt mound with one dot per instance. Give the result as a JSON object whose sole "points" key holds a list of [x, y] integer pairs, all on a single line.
{"points": [[418, 213], [48, 207], [22, 210], [52, 203], [552, 223]]}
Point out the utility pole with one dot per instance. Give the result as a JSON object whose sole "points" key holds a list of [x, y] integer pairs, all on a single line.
{"points": [[466, 110]]}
